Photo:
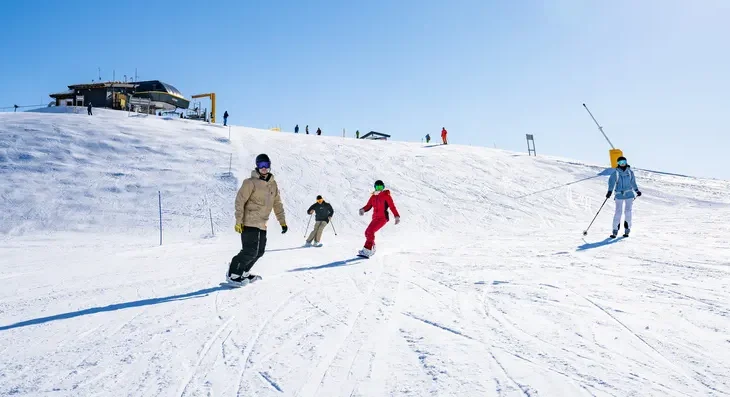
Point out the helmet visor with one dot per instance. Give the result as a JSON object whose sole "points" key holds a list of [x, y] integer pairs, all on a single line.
{"points": [[379, 188], [263, 164]]}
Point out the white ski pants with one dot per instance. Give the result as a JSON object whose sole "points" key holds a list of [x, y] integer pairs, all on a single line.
{"points": [[622, 206]]}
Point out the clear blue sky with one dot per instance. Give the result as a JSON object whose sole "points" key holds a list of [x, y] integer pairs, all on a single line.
{"points": [[656, 73]]}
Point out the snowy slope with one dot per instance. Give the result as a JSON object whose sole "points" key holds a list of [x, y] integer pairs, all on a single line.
{"points": [[484, 289], [103, 175]]}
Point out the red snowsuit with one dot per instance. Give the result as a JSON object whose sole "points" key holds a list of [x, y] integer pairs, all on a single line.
{"points": [[379, 203], [443, 135]]}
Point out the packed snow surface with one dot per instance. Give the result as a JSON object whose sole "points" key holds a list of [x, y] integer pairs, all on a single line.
{"points": [[486, 288]]}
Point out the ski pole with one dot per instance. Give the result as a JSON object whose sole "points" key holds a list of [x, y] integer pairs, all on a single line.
{"points": [[585, 232], [333, 227], [307, 229]]}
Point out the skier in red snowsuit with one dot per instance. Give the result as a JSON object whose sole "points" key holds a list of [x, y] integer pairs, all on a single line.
{"points": [[380, 202], [444, 133]]}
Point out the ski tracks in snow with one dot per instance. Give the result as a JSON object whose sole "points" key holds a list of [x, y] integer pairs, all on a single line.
{"points": [[253, 340], [203, 352], [312, 386]]}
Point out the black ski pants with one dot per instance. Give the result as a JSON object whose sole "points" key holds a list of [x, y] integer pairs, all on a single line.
{"points": [[253, 242]]}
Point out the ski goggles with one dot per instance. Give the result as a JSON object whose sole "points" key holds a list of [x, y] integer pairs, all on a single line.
{"points": [[263, 164], [622, 162], [379, 188]]}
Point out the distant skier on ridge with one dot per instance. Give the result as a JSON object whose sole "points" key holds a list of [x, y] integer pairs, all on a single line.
{"points": [[380, 202], [623, 182], [225, 119], [444, 134], [255, 200]]}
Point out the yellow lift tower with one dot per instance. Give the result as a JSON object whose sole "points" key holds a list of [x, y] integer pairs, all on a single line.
{"points": [[210, 95]]}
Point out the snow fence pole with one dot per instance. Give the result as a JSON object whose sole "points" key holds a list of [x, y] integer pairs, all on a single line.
{"points": [[585, 232], [305, 230], [159, 196], [210, 212]]}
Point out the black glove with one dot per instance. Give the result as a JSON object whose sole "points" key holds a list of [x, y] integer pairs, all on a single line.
{"points": [[284, 229], [609, 194], [638, 193]]}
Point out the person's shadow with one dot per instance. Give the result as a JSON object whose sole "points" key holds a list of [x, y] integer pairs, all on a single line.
{"points": [[287, 249], [114, 307], [328, 265], [607, 241]]}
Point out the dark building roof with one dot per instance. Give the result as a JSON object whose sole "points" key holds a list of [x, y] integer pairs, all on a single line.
{"points": [[162, 93], [157, 86], [375, 135], [107, 84], [63, 95]]}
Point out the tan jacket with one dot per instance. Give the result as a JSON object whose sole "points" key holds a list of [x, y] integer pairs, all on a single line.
{"points": [[255, 200]]}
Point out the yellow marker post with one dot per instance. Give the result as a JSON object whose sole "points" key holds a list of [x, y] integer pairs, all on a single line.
{"points": [[615, 154]]}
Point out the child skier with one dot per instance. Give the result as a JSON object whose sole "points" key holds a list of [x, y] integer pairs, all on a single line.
{"points": [[324, 213], [380, 201], [623, 182], [258, 195]]}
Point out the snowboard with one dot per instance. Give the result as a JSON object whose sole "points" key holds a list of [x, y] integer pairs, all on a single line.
{"points": [[234, 284]]}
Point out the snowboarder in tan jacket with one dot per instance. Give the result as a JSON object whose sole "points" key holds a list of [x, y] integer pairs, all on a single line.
{"points": [[256, 198]]}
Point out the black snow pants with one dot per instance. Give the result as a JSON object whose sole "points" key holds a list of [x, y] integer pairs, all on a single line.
{"points": [[253, 242]]}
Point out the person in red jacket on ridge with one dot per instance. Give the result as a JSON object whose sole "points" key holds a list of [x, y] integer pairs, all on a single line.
{"points": [[443, 135], [380, 202]]}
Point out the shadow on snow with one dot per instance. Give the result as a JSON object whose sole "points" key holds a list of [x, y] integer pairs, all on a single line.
{"points": [[607, 241], [287, 249], [113, 307], [327, 265]]}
